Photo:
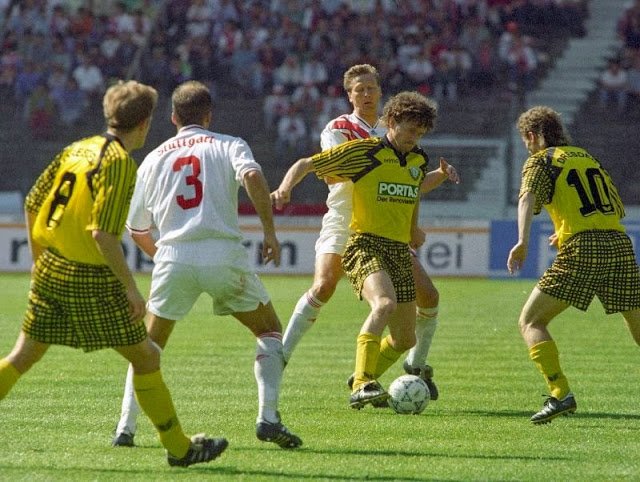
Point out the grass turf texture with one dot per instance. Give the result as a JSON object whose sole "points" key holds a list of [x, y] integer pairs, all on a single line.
{"points": [[56, 423]]}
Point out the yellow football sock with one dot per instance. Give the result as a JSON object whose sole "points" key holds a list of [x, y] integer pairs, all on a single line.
{"points": [[388, 356], [545, 356], [9, 375], [367, 351], [154, 398]]}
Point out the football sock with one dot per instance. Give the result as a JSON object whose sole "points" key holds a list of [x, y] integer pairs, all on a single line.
{"points": [[367, 352], [545, 356], [130, 409], [155, 400], [9, 375], [268, 372], [387, 357], [303, 316], [426, 324]]}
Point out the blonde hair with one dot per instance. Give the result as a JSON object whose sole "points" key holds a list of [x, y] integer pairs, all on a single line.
{"points": [[126, 104], [356, 71]]}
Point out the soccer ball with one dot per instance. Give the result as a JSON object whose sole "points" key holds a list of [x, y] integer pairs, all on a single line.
{"points": [[409, 395]]}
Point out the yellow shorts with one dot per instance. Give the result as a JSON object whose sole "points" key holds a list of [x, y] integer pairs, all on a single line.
{"points": [[366, 254], [595, 263], [79, 305]]}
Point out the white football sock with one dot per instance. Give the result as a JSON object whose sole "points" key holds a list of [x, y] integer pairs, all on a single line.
{"points": [[426, 324], [302, 318], [130, 409], [268, 372]]}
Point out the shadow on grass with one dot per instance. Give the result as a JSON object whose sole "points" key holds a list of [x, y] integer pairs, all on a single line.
{"points": [[578, 415], [204, 470]]}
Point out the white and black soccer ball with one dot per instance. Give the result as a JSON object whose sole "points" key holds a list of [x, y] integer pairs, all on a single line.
{"points": [[409, 395]]}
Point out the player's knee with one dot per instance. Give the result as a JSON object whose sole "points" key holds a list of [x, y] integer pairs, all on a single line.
{"points": [[404, 342], [324, 288], [383, 307]]}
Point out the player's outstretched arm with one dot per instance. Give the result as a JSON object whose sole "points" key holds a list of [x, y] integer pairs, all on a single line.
{"points": [[436, 177], [296, 173], [258, 191]]}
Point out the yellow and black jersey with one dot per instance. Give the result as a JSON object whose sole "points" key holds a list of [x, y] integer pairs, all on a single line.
{"points": [[386, 184], [575, 189], [88, 186]]}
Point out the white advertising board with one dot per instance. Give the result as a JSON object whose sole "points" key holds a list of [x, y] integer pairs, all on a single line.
{"points": [[448, 251]]}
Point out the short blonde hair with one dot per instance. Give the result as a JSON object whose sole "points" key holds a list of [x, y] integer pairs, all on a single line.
{"points": [[356, 71], [126, 104]]}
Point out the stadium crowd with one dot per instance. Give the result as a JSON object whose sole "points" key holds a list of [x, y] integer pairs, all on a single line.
{"points": [[58, 56]]}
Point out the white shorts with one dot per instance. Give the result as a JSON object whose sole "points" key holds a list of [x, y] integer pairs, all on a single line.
{"points": [[175, 287], [333, 234]]}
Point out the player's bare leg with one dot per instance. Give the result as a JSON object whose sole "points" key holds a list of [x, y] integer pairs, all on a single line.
{"points": [[427, 300], [327, 274], [25, 353]]}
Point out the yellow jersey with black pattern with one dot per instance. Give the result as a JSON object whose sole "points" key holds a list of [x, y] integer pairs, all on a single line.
{"points": [[577, 192], [386, 184], [88, 186]]}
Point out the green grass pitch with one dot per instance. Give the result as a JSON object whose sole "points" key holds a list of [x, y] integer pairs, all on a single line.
{"points": [[56, 424]]}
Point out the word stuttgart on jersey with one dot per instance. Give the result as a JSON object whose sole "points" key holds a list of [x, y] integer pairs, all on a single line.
{"points": [[184, 142], [394, 192]]}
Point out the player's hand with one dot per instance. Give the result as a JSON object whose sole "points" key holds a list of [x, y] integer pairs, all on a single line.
{"points": [[271, 250], [418, 237], [553, 240], [450, 171], [137, 305], [517, 256], [280, 198]]}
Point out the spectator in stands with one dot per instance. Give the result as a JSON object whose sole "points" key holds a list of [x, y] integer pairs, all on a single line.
{"points": [[125, 53], [89, 78], [71, 103], [315, 72], [40, 112], [200, 15], [420, 70], [522, 65], [205, 65], [633, 80], [59, 54], [289, 74], [275, 106], [613, 86], [244, 69], [291, 142], [57, 79], [26, 81], [445, 81]]}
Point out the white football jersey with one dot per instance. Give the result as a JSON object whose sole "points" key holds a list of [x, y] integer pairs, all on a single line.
{"points": [[346, 127], [188, 189]]}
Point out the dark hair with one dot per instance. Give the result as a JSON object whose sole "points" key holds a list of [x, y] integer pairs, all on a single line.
{"points": [[411, 107], [191, 102], [546, 122]]}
